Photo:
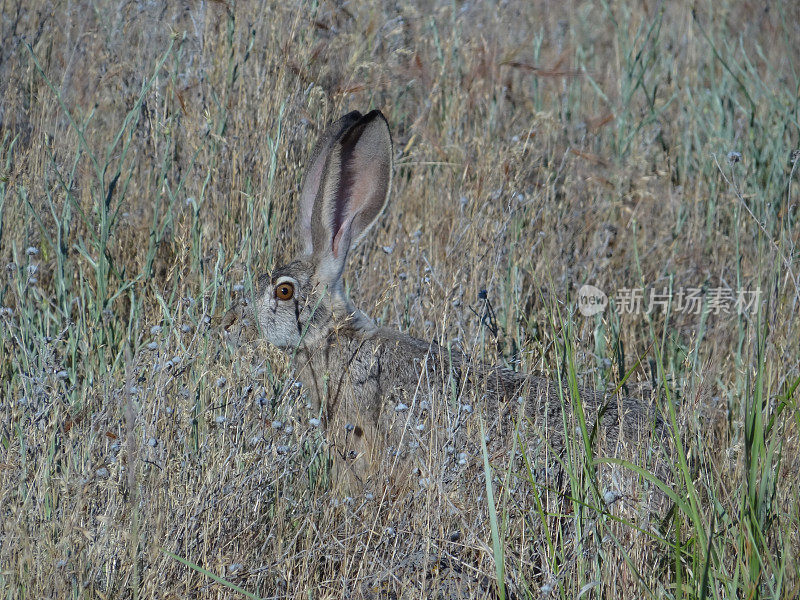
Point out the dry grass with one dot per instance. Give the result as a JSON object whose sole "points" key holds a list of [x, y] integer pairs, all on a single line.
{"points": [[150, 156]]}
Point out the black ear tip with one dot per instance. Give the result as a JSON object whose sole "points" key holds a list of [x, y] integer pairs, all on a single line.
{"points": [[352, 117], [373, 114], [353, 132]]}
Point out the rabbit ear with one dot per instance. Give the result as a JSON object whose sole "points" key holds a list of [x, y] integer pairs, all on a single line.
{"points": [[354, 190], [314, 170]]}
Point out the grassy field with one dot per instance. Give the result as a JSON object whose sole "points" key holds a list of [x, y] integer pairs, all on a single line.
{"points": [[150, 157]]}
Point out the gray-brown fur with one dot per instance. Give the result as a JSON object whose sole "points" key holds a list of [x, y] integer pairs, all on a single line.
{"points": [[373, 387], [359, 377]]}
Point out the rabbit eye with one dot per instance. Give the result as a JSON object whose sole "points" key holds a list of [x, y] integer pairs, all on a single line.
{"points": [[284, 291]]}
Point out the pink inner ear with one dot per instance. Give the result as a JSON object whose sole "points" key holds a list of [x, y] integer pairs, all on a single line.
{"points": [[360, 194], [337, 239]]}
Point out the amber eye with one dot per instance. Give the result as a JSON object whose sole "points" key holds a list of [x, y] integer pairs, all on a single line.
{"points": [[284, 291]]}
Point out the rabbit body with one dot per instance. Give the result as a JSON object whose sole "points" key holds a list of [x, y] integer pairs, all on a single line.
{"points": [[376, 390]]}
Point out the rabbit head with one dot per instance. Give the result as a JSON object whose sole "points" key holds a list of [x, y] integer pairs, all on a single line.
{"points": [[345, 188]]}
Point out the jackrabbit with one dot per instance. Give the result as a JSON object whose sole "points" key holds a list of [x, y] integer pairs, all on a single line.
{"points": [[375, 389]]}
